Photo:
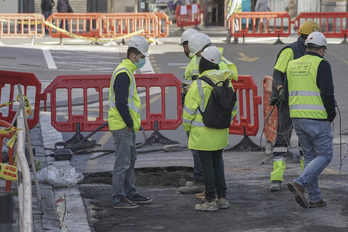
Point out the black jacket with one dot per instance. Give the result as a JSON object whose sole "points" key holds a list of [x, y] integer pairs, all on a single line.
{"points": [[46, 5], [299, 50], [63, 6]]}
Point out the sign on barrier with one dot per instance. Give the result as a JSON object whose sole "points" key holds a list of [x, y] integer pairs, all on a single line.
{"points": [[9, 91], [246, 121], [277, 24], [22, 26], [270, 121], [95, 88], [188, 15]]}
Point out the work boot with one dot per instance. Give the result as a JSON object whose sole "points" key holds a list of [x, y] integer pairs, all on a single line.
{"points": [[192, 187], [207, 206], [235, 41], [200, 195], [223, 203], [317, 204], [298, 192], [227, 40], [275, 185]]}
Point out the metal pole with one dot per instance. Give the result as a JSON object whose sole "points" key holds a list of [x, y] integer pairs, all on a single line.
{"points": [[21, 101]]}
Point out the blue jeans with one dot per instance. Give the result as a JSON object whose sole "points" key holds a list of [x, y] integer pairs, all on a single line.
{"points": [[214, 174], [47, 14], [197, 166], [123, 173], [316, 140]]}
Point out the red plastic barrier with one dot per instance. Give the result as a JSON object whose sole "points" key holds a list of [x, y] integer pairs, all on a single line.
{"points": [[98, 83], [278, 24], [10, 150], [270, 131], [246, 123], [9, 91], [188, 15], [333, 24]]}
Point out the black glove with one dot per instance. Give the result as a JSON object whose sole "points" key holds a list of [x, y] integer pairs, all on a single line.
{"points": [[281, 93]]}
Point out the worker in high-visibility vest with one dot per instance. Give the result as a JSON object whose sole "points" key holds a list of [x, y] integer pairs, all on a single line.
{"points": [[197, 43], [124, 121], [208, 142], [312, 109], [284, 127], [232, 6]]}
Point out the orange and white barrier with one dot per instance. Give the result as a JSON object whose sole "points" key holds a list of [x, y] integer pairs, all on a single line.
{"points": [[21, 26]]}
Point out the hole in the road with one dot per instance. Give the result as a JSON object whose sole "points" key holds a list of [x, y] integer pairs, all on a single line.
{"points": [[157, 176]]}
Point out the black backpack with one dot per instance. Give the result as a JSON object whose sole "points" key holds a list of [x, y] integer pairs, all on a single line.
{"points": [[220, 104]]}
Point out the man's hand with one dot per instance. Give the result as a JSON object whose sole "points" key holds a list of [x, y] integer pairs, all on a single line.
{"points": [[281, 93], [186, 89]]}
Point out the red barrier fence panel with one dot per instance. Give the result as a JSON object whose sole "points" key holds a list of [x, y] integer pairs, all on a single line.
{"points": [[270, 131], [119, 24], [246, 121], [74, 100], [188, 15], [9, 91], [5, 124], [332, 24], [69, 97], [161, 82], [82, 24], [22, 26], [244, 24]]}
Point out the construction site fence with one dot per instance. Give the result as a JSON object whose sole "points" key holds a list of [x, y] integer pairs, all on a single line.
{"points": [[279, 24], [22, 26], [90, 25], [110, 25]]}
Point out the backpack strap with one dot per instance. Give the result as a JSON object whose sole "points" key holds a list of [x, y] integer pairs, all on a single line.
{"points": [[207, 80]]}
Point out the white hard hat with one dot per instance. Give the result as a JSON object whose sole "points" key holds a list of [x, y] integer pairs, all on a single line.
{"points": [[187, 34], [316, 38], [139, 43], [197, 42], [212, 54]]}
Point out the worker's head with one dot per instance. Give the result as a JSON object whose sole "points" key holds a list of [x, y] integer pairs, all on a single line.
{"points": [[316, 42], [197, 43], [184, 40], [137, 50], [308, 27], [211, 58]]}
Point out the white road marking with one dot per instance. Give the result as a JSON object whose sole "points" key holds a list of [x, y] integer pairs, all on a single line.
{"points": [[49, 58]]}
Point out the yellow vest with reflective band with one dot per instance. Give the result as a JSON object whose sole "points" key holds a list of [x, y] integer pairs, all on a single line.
{"points": [[192, 68], [114, 118], [201, 137], [304, 94]]}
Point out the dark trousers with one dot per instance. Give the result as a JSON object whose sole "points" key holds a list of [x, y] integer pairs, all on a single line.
{"points": [[213, 173], [47, 14], [284, 129]]}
